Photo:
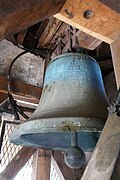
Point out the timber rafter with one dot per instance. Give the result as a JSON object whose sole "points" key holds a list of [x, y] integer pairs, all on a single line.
{"points": [[16, 16]]}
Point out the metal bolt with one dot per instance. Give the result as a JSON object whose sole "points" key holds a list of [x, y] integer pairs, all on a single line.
{"points": [[69, 14], [88, 14]]}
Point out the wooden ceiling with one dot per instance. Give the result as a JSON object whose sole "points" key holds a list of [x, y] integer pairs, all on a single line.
{"points": [[104, 24], [15, 16]]}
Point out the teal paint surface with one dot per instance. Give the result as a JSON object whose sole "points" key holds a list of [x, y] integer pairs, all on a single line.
{"points": [[73, 67]]}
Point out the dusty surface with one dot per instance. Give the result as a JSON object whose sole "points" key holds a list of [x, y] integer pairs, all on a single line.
{"points": [[28, 68]]}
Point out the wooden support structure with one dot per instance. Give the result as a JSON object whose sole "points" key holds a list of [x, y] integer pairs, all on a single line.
{"points": [[116, 171], [102, 162], [21, 36], [114, 4], [57, 169], [93, 18], [41, 28], [87, 41], [41, 165], [55, 29], [21, 90], [49, 32], [17, 163], [16, 16], [115, 51]]}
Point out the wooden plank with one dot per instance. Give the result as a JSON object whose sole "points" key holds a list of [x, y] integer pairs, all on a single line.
{"points": [[67, 172], [41, 165], [21, 90], [17, 163], [116, 171], [16, 16], [3, 97], [102, 23], [87, 41], [57, 169], [41, 28], [113, 4], [21, 36], [60, 33], [115, 51], [106, 64], [118, 5], [104, 157], [12, 39], [83, 40], [49, 32]]}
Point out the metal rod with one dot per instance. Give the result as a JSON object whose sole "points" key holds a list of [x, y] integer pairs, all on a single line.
{"points": [[74, 138]]}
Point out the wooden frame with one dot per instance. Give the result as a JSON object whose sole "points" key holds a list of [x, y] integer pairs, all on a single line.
{"points": [[102, 22], [16, 16]]}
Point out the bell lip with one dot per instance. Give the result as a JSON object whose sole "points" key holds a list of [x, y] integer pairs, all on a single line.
{"points": [[20, 141], [65, 54], [27, 128]]}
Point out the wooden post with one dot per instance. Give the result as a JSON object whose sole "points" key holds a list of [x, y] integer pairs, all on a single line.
{"points": [[21, 90], [115, 51], [102, 162], [41, 165], [116, 172], [57, 169]]}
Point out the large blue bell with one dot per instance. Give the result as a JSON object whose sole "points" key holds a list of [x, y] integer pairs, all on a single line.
{"points": [[73, 99]]}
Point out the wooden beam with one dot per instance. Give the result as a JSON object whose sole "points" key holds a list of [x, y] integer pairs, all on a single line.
{"points": [[114, 4], [12, 39], [67, 172], [21, 36], [41, 165], [87, 41], [49, 32], [17, 163], [16, 16], [115, 51], [116, 171], [21, 90], [91, 17], [3, 97], [41, 28], [56, 28], [57, 169], [104, 157], [106, 64]]}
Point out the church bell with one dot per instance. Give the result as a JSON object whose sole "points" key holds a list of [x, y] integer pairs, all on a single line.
{"points": [[73, 100]]}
